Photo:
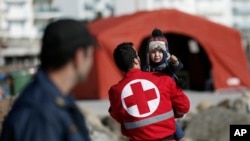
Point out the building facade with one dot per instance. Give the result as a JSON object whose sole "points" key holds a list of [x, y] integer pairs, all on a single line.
{"points": [[22, 22], [21, 25]]}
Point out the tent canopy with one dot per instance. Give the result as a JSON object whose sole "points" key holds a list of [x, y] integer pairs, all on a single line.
{"points": [[221, 44]]}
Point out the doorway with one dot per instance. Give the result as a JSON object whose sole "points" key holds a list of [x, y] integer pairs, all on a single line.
{"points": [[197, 67]]}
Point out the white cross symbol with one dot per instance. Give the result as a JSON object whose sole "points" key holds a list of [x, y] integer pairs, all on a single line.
{"points": [[140, 98]]}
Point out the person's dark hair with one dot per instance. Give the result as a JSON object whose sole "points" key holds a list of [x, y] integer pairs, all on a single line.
{"points": [[124, 55], [60, 41]]}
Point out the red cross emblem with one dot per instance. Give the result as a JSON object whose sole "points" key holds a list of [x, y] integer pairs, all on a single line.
{"points": [[140, 97]]}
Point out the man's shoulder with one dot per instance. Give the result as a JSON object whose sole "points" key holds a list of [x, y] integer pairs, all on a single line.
{"points": [[32, 106], [157, 74], [25, 116], [21, 116], [114, 87], [26, 112], [33, 100]]}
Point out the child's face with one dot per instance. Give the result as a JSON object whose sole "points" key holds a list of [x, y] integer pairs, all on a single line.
{"points": [[156, 55]]}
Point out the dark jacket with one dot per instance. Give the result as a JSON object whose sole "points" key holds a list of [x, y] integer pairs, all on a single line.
{"points": [[42, 113], [167, 68]]}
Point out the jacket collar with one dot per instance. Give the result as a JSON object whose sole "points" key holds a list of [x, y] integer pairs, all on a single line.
{"points": [[52, 90], [133, 71]]}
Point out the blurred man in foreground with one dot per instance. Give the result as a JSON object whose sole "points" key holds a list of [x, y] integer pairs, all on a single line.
{"points": [[45, 111]]}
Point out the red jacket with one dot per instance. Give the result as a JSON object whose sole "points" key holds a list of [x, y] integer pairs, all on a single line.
{"points": [[142, 103]]}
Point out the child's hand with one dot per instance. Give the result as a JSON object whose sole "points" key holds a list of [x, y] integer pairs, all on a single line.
{"points": [[173, 59]]}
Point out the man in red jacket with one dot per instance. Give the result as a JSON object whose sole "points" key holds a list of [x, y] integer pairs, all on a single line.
{"points": [[144, 103]]}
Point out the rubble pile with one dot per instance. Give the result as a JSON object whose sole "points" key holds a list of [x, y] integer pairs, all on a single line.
{"points": [[209, 123]]}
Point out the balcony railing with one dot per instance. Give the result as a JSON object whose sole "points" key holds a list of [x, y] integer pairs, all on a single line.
{"points": [[46, 13], [241, 10], [242, 25], [16, 1]]}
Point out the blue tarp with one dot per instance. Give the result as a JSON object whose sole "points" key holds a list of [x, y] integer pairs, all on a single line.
{"points": [[2, 77]]}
